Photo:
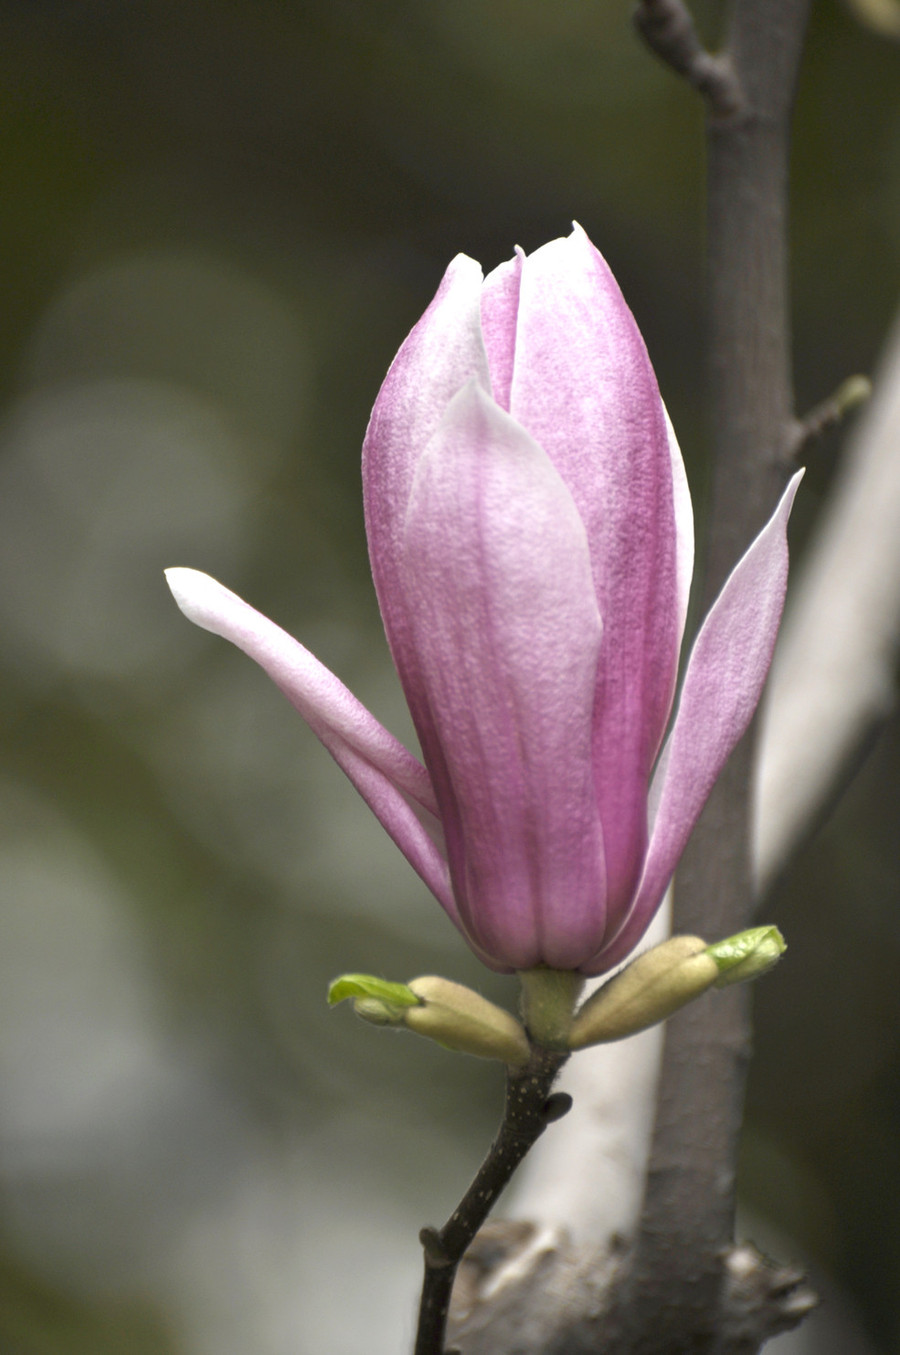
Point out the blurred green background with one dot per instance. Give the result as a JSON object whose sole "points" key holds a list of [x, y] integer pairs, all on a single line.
{"points": [[218, 222]]}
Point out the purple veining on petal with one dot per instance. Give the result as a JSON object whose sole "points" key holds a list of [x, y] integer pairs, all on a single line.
{"points": [[508, 650], [584, 388], [722, 686]]}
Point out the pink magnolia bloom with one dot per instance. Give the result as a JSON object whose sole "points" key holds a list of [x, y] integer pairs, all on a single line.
{"points": [[531, 539]]}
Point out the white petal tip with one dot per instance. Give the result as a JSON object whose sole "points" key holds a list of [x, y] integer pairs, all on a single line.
{"points": [[200, 597]]}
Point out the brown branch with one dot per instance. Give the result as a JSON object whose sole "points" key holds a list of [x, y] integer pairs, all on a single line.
{"points": [[528, 1110], [676, 1284], [668, 29]]}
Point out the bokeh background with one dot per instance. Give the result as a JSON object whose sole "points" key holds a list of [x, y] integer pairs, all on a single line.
{"points": [[218, 220]]}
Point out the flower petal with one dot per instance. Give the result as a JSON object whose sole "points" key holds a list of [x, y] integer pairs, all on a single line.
{"points": [[722, 686], [387, 776], [441, 353], [496, 578], [499, 320], [584, 388]]}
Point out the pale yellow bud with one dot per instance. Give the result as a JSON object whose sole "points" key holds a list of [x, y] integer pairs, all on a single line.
{"points": [[461, 1019], [645, 992]]}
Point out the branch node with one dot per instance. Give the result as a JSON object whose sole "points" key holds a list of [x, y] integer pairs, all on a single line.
{"points": [[556, 1106], [668, 29], [435, 1252]]}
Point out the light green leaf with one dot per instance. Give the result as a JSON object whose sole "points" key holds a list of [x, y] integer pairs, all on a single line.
{"points": [[367, 985], [747, 955]]}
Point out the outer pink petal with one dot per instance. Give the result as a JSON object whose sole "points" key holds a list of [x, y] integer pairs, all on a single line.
{"points": [[385, 774], [584, 388], [497, 585], [722, 687], [442, 352]]}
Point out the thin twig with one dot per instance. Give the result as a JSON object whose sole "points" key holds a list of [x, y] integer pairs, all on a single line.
{"points": [[528, 1110], [829, 412]]}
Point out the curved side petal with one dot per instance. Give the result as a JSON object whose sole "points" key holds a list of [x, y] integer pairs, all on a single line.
{"points": [[508, 648], [325, 703], [584, 388], [722, 687], [385, 774], [441, 353]]}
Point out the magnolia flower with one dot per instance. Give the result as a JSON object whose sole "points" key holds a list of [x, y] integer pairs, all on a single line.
{"points": [[531, 540]]}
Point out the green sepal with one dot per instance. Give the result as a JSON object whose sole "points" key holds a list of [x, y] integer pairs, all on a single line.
{"points": [[367, 985]]}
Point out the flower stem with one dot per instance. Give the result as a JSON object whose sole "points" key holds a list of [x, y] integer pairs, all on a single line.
{"points": [[549, 997], [528, 1110]]}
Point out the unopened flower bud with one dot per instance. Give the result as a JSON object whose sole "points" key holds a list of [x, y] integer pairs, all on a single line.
{"points": [[446, 1012], [747, 955], [530, 529], [645, 992], [461, 1019]]}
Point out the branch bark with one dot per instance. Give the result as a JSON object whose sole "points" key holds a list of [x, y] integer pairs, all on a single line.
{"points": [[529, 1108], [673, 1294]]}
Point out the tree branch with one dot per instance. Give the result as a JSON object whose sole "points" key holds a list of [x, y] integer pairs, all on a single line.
{"points": [[528, 1110], [668, 29], [828, 413], [677, 1276], [525, 1283]]}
